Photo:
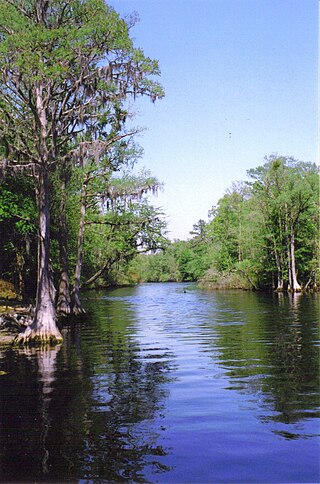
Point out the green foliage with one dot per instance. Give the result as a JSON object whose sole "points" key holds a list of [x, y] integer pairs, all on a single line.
{"points": [[252, 231], [287, 193], [177, 261], [159, 267], [18, 220], [122, 225], [17, 204]]}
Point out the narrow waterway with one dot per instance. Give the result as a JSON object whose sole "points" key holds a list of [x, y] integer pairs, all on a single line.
{"points": [[168, 383]]}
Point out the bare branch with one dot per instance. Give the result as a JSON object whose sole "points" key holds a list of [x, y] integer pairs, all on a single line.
{"points": [[107, 222], [20, 8]]}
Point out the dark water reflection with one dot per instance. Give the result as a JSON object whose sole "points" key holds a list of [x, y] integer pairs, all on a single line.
{"points": [[158, 385]]}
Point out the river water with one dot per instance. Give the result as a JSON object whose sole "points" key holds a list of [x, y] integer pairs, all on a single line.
{"points": [[168, 383]]}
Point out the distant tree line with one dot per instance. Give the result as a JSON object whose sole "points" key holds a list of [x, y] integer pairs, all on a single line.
{"points": [[262, 234]]}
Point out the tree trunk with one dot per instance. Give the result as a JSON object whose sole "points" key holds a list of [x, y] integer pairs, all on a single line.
{"points": [[280, 286], [309, 281], [246, 275], [20, 263], [240, 256], [288, 251], [43, 329], [64, 298], [99, 273], [76, 305], [295, 285]]}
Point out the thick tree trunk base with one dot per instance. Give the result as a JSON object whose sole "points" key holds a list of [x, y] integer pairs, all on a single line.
{"points": [[63, 309], [280, 286], [279, 289], [295, 290], [38, 337], [64, 298]]}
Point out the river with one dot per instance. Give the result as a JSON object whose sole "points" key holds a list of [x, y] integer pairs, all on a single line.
{"points": [[168, 383]]}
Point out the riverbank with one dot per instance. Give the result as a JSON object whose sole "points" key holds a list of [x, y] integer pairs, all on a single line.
{"points": [[14, 315], [214, 280], [13, 320]]}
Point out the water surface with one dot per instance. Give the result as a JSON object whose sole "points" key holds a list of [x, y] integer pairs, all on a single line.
{"points": [[168, 383]]}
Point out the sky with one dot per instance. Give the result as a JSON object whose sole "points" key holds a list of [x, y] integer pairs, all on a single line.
{"points": [[240, 78]]}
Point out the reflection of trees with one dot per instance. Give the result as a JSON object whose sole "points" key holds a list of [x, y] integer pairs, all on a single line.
{"points": [[295, 362], [25, 412], [99, 418], [46, 359], [114, 436], [268, 350]]}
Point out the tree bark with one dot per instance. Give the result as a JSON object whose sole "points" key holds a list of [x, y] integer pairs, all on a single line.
{"points": [[76, 305], [295, 285], [107, 265], [240, 256], [288, 250], [64, 298], [280, 285], [20, 262], [43, 329]]}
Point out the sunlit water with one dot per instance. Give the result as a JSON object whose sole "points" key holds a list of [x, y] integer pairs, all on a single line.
{"points": [[168, 383]]}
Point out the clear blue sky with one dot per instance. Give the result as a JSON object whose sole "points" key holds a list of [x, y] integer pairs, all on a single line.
{"points": [[240, 78]]}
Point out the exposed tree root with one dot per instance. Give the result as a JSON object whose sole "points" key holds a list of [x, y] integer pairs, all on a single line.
{"points": [[78, 310], [37, 338]]}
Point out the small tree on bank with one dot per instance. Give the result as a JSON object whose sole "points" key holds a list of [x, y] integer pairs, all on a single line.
{"points": [[66, 67]]}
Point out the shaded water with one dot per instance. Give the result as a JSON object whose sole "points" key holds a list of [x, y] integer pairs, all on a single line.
{"points": [[158, 385]]}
